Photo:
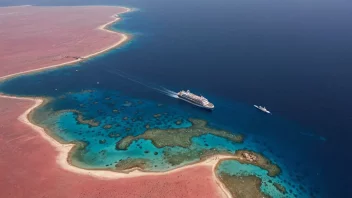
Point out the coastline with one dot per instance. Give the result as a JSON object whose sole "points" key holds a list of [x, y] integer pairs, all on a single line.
{"points": [[104, 27], [31, 163], [64, 150], [11, 6]]}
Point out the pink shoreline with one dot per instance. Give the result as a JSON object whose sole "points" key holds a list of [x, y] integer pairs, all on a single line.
{"points": [[20, 142], [58, 156], [51, 47], [32, 169]]}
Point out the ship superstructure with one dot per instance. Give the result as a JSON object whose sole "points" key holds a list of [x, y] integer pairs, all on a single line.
{"points": [[195, 99]]}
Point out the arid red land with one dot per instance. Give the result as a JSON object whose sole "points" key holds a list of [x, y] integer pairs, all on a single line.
{"points": [[37, 37]]}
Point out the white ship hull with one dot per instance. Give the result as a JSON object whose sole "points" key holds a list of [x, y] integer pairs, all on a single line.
{"points": [[190, 101], [262, 109]]}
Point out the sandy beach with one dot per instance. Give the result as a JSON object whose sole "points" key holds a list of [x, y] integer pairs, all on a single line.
{"points": [[33, 163]]}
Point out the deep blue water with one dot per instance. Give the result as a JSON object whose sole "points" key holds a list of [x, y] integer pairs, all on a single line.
{"points": [[291, 56]]}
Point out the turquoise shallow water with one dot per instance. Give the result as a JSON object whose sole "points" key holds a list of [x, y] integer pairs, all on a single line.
{"points": [[129, 115], [235, 168], [244, 53]]}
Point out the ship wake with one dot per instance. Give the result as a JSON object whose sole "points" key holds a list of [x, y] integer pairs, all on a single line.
{"points": [[168, 92], [154, 87]]}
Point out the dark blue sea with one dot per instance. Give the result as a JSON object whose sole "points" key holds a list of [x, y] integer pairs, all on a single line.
{"points": [[294, 57]]}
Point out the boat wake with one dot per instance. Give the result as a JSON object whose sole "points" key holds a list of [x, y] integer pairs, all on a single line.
{"points": [[168, 92], [154, 87]]}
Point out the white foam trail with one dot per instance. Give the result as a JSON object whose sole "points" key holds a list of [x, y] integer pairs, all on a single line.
{"points": [[170, 93], [159, 89]]}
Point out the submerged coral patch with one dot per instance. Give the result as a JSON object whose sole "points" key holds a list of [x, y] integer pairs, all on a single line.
{"points": [[178, 137], [251, 157], [81, 120], [280, 188], [132, 163], [243, 186]]}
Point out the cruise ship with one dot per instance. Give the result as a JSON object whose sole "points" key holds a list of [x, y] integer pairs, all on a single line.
{"points": [[199, 101]]}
